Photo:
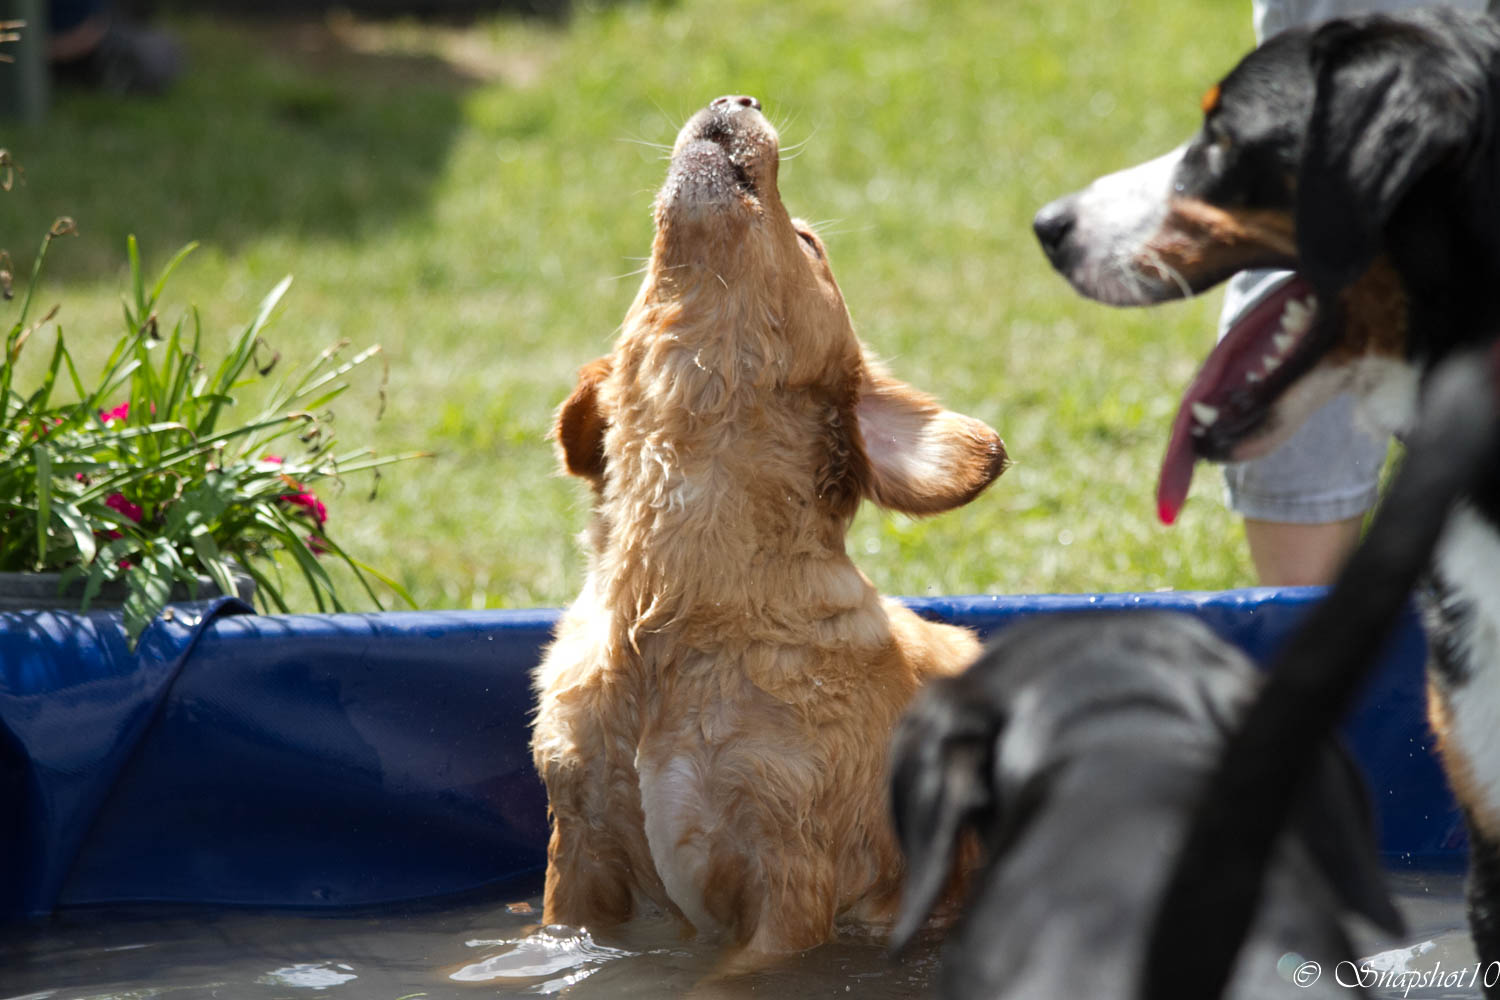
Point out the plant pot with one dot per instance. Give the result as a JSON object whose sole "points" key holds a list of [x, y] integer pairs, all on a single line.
{"points": [[40, 592]]}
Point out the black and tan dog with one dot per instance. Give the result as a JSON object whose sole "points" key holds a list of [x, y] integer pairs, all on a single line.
{"points": [[1361, 154], [1116, 778]]}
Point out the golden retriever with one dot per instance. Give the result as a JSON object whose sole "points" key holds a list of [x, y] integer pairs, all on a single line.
{"points": [[716, 709]]}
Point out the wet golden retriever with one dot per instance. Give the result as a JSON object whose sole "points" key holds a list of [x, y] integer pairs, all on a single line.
{"points": [[715, 711]]}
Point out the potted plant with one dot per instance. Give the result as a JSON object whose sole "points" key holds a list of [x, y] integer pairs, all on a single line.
{"points": [[156, 477]]}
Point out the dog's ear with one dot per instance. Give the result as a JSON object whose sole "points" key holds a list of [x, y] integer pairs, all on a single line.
{"points": [[1392, 103], [581, 423], [922, 458], [1334, 821], [941, 781]]}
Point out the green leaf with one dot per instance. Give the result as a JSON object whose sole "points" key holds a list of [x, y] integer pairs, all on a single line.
{"points": [[137, 280], [43, 459], [200, 506], [265, 588], [110, 385], [97, 571], [83, 535], [289, 534], [243, 350], [39, 399], [36, 276], [362, 569], [166, 272], [213, 562], [149, 586]]}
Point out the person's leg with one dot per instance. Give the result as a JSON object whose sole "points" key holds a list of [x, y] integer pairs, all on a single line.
{"points": [[91, 46], [1287, 554], [74, 28]]}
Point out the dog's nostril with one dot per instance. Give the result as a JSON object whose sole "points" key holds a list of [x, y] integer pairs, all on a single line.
{"points": [[742, 100], [1053, 224]]}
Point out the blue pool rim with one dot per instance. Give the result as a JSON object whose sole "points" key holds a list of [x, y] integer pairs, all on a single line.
{"points": [[347, 761]]}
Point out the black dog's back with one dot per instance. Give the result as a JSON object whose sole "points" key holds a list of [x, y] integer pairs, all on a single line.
{"points": [[1076, 748]]}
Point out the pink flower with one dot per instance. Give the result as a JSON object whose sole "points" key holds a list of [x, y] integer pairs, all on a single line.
{"points": [[309, 503], [117, 501], [120, 413]]}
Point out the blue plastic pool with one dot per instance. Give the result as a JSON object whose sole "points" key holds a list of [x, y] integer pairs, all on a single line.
{"points": [[335, 763]]}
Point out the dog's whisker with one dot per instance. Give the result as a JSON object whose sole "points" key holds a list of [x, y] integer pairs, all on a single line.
{"points": [[1168, 272], [674, 122], [645, 142], [795, 146], [827, 233]]}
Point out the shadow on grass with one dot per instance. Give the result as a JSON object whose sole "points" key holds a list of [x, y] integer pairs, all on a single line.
{"points": [[294, 127]]}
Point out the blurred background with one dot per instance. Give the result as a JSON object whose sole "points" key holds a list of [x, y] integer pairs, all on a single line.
{"points": [[469, 185]]}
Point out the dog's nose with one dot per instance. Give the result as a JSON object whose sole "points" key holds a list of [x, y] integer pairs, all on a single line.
{"points": [[729, 101], [1052, 226]]}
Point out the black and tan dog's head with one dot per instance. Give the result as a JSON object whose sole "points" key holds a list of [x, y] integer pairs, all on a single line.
{"points": [[1359, 154]]}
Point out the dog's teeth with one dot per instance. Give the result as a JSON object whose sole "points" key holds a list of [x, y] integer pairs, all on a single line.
{"points": [[1296, 317], [1205, 414], [1271, 362], [1283, 342], [1253, 377], [1199, 431]]}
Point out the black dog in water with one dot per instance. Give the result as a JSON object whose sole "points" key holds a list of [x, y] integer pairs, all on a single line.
{"points": [[1107, 762], [1076, 749]]}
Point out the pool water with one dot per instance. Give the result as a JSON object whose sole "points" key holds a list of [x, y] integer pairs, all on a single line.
{"points": [[499, 950], [493, 950]]}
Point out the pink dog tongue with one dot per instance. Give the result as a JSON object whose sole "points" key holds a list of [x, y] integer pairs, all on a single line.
{"points": [[1225, 369]]}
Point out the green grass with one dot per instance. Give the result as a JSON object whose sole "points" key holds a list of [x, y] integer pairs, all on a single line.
{"points": [[476, 201]]}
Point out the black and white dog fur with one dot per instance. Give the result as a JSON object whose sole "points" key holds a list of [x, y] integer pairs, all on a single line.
{"points": [[1362, 154]]}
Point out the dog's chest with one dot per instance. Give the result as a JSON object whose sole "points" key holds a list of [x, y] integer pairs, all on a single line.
{"points": [[1463, 619]]}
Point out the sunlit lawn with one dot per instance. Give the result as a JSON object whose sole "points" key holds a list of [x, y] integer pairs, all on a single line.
{"points": [[477, 201]]}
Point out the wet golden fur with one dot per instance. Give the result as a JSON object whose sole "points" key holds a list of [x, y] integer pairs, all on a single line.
{"points": [[715, 711]]}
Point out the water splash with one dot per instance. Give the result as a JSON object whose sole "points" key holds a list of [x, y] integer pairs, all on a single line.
{"points": [[545, 953], [309, 976], [1398, 959]]}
